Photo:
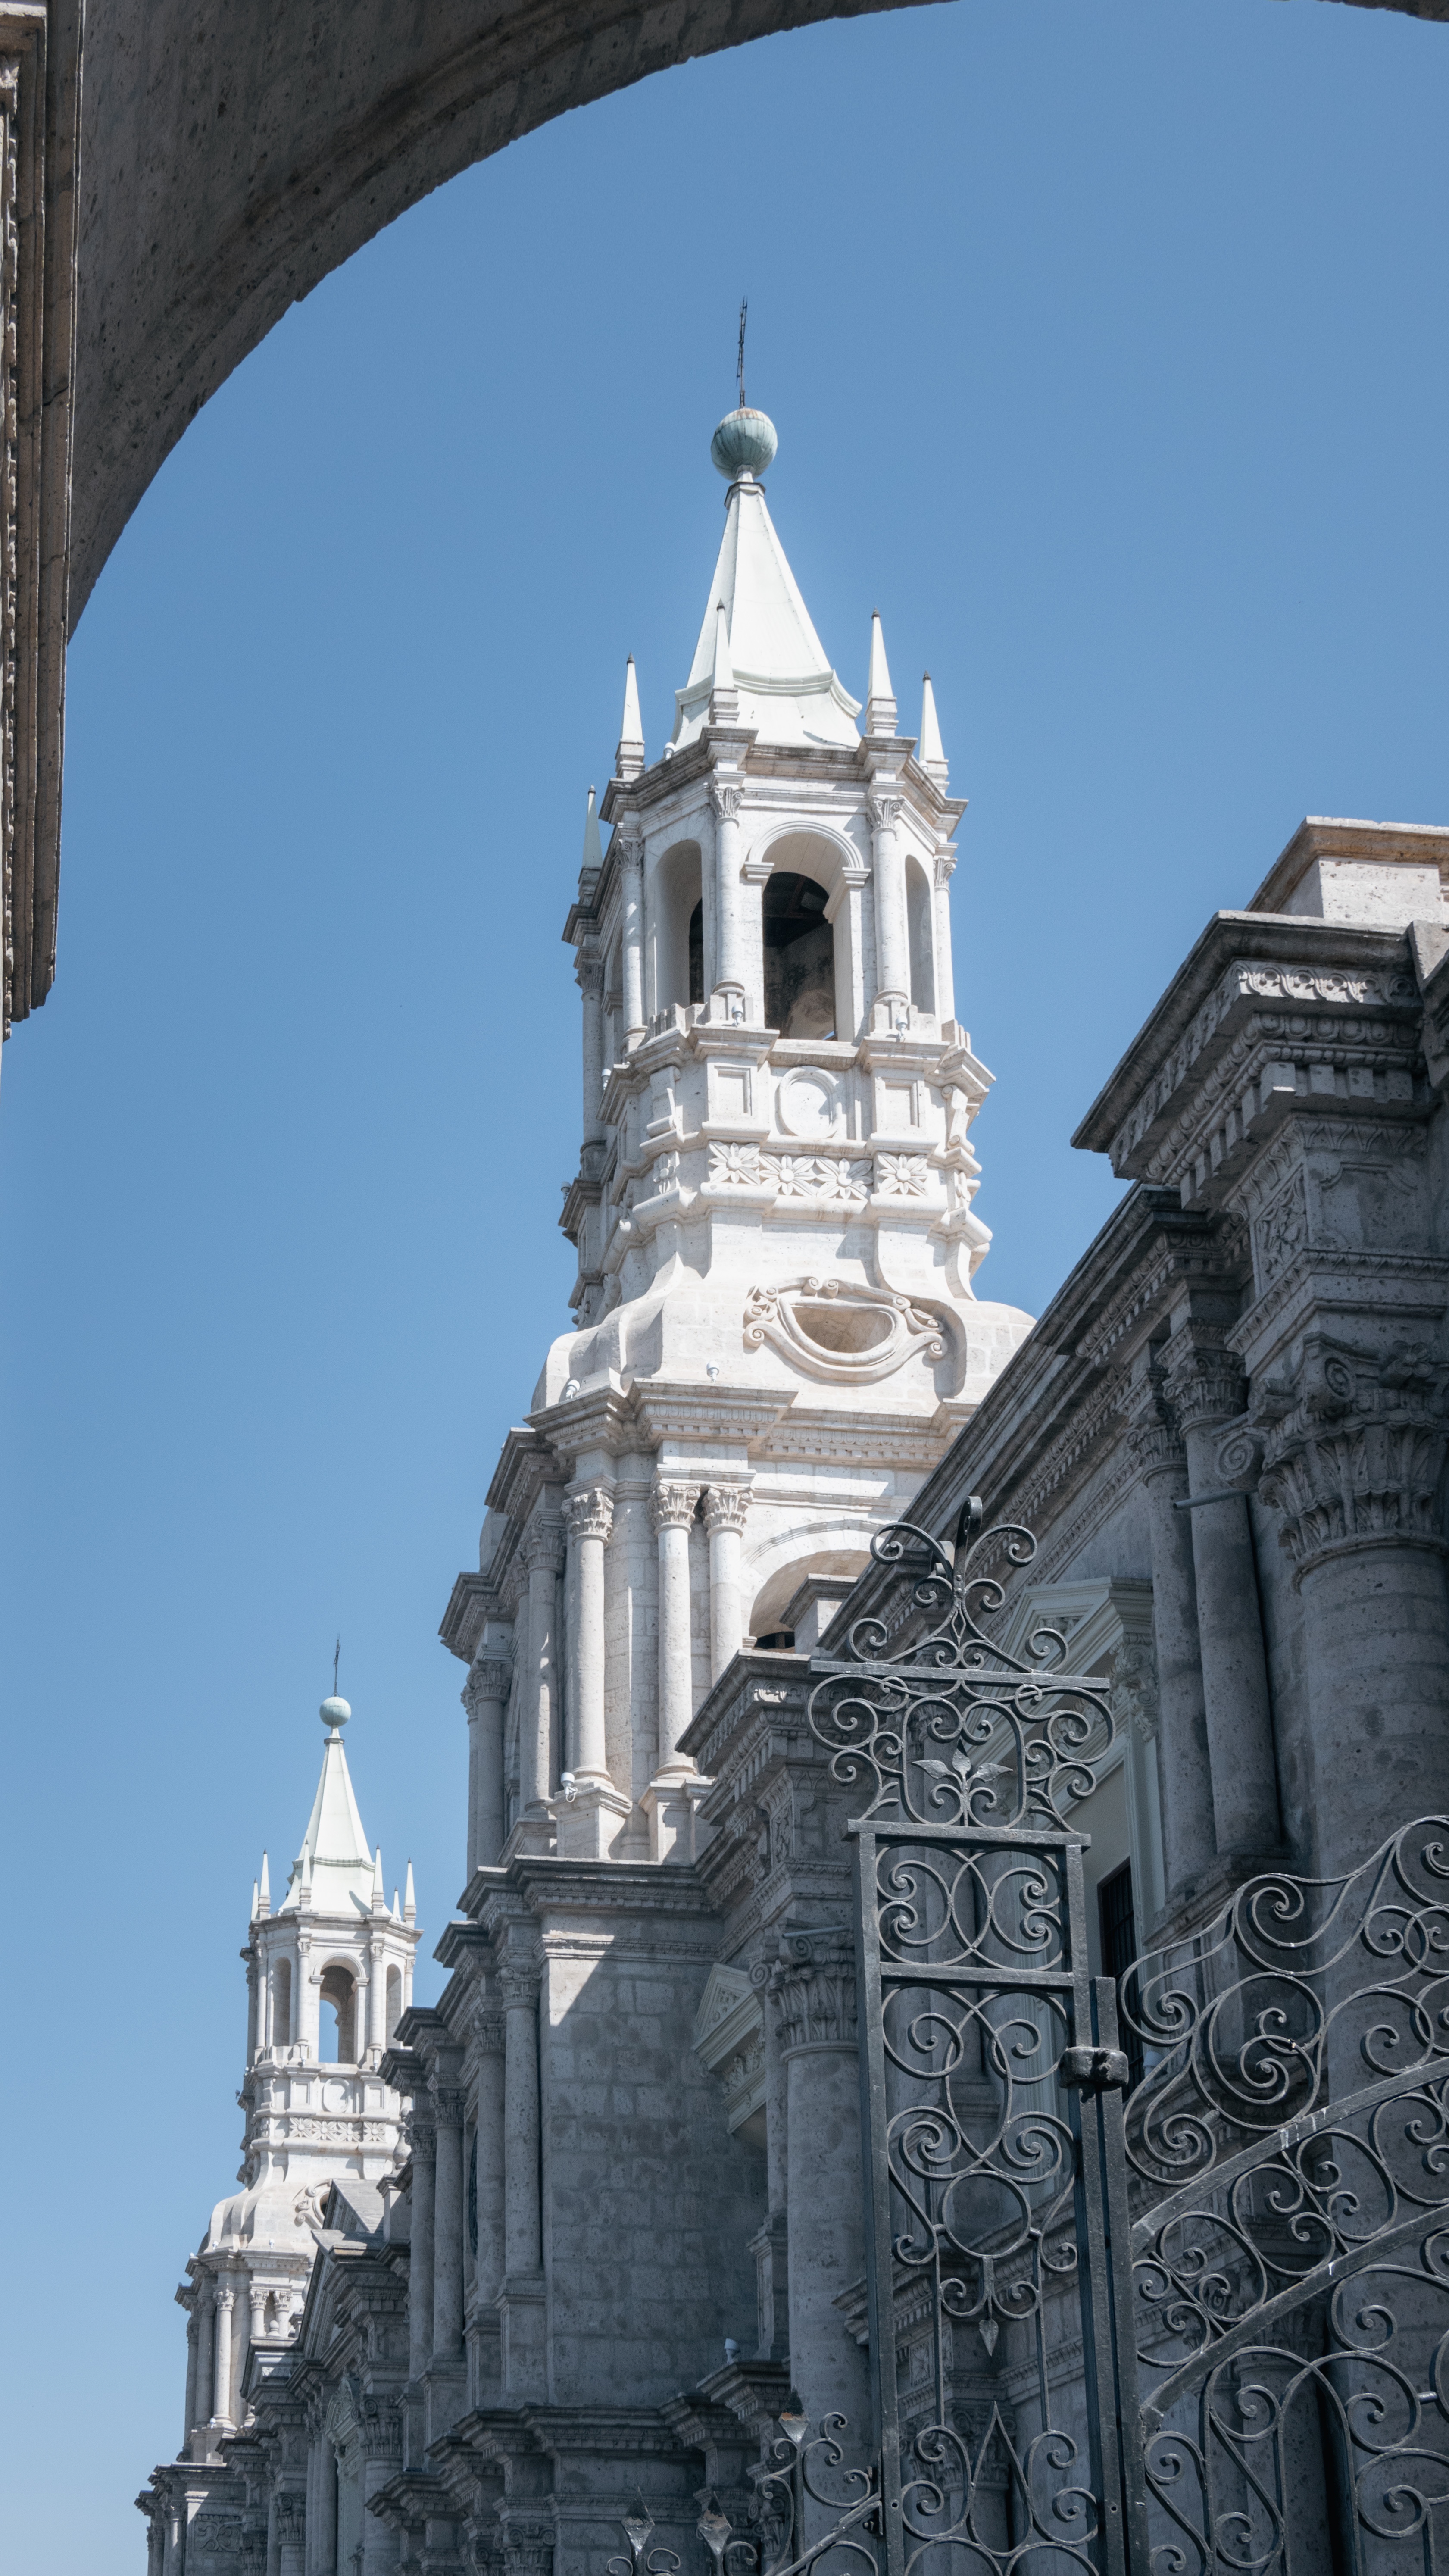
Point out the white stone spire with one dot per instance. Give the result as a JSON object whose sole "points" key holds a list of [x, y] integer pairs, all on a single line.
{"points": [[264, 1891], [788, 691], [928, 750], [336, 1863], [409, 1901], [629, 758], [880, 697]]}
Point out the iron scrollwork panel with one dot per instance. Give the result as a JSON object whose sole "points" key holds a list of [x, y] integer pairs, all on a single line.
{"points": [[1289, 2147]]}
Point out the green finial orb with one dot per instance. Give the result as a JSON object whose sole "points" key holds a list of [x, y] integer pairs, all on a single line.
{"points": [[744, 443]]}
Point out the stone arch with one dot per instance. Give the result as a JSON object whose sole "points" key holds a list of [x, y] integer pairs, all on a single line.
{"points": [[281, 2003], [920, 933], [814, 855], [676, 926], [338, 1983], [836, 1547]]}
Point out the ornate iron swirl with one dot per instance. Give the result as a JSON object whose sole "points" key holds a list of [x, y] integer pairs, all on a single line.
{"points": [[932, 1716]]}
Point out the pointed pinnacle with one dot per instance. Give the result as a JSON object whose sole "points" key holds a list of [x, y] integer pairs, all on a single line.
{"points": [[929, 751], [379, 1893], [593, 850], [880, 701], [410, 1908], [629, 758]]}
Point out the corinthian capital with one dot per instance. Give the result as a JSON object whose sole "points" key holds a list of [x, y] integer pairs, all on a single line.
{"points": [[884, 811], [631, 852], [518, 1983], [543, 1545], [489, 1682], [812, 1987], [726, 800], [1154, 1437], [726, 1507], [590, 1513], [1202, 1381], [672, 1506], [589, 976], [1353, 1449]]}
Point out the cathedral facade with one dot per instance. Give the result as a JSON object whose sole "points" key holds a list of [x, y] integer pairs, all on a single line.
{"points": [[613, 2233]]}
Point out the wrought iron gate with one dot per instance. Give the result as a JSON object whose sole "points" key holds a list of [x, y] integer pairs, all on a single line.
{"points": [[1196, 2328]]}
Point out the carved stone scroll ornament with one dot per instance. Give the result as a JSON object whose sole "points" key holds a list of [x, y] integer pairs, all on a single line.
{"points": [[844, 1333], [1353, 1447], [726, 1507], [542, 1545]]}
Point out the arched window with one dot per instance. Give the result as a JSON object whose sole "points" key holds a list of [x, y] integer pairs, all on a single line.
{"points": [[679, 927], [799, 958], [918, 927], [281, 2003], [394, 1999], [336, 2034]]}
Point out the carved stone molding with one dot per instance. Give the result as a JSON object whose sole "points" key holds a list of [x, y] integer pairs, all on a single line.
{"points": [[726, 1507], [488, 2032], [944, 866], [631, 853], [884, 811], [1353, 1447], [589, 976], [812, 1987], [672, 1506], [542, 1545], [726, 800], [450, 2102], [590, 1513], [489, 1682]]}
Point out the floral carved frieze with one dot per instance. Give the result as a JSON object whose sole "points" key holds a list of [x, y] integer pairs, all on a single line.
{"points": [[822, 1178], [844, 1333]]}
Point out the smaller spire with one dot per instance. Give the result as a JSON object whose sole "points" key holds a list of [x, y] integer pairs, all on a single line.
{"points": [[264, 1892], [593, 853], [396, 1908], [880, 699], [629, 758], [256, 1902], [410, 1908], [724, 697], [929, 752], [304, 1892], [379, 1893]]}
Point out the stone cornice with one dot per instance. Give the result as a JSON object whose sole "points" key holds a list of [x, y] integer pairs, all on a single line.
{"points": [[1280, 981]]}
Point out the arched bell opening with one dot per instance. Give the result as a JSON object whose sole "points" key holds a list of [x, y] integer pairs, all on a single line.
{"points": [[799, 952]]}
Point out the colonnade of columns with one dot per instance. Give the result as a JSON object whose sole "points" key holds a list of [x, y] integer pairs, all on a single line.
{"points": [[587, 1528]]}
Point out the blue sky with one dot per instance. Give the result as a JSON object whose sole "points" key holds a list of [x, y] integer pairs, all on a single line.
{"points": [[1107, 348]]}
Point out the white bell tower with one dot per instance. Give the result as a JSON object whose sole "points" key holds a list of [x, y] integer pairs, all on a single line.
{"points": [[328, 1977], [777, 1331]]}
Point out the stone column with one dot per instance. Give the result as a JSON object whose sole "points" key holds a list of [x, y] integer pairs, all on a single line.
{"points": [[1205, 1389], [254, 2016], [291, 2535], [192, 2333], [381, 2459], [812, 1991], [376, 1994], [590, 1520], [590, 977], [1188, 1842], [485, 1697], [521, 2302], [631, 856], [420, 2259], [205, 2349], [672, 1507], [543, 1554], [770, 2245], [489, 2264], [448, 2107], [892, 941], [729, 969], [257, 2304], [324, 2547], [943, 870], [221, 2403], [305, 1999], [1353, 1453], [589, 1820], [240, 2345], [725, 1508]]}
